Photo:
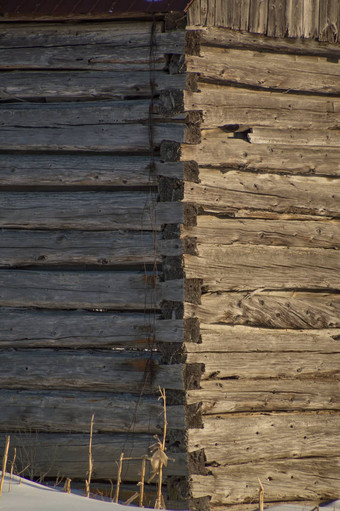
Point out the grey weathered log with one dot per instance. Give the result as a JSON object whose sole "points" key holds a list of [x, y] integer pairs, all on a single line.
{"points": [[281, 232], [266, 70], [238, 267], [233, 190], [89, 211], [60, 411], [86, 85], [243, 438], [120, 371], [275, 309], [226, 105], [283, 481], [66, 455], [263, 395], [88, 290], [22, 328]]}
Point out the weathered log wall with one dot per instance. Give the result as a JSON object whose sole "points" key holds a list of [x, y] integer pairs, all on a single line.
{"points": [[264, 252], [86, 241]]}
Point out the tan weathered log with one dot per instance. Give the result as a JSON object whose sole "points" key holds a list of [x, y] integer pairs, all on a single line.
{"points": [[275, 309], [88, 290], [266, 70], [89, 211], [60, 170], [289, 233], [234, 190], [263, 395], [243, 339], [283, 480], [224, 38], [309, 137], [22, 328], [66, 455], [102, 248], [224, 105], [60, 411], [256, 364], [86, 85], [238, 267], [119, 371], [221, 151], [251, 438]]}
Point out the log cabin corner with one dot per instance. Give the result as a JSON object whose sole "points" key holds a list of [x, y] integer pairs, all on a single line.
{"points": [[169, 214]]}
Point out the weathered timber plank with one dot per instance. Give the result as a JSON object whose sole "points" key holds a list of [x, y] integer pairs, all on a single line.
{"points": [[258, 16], [310, 22], [219, 150], [119, 371], [275, 309], [19, 248], [234, 267], [243, 438], [61, 411], [289, 233], [294, 18], [131, 138], [229, 105], [329, 21], [56, 455], [233, 190], [313, 137], [243, 339], [283, 480], [89, 290], [21, 328], [90, 85], [263, 395], [267, 70], [276, 26], [89, 211], [243, 365], [83, 170], [222, 37]]}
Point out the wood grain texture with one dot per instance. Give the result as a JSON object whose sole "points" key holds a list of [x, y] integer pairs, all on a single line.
{"points": [[60, 411], [263, 437], [289, 233], [119, 371], [258, 16], [88, 290], [66, 455], [263, 395], [247, 268], [234, 190], [283, 480], [306, 137], [89, 211], [266, 70], [25, 328], [271, 309]]}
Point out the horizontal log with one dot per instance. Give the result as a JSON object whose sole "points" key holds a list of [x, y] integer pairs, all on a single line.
{"points": [[66, 455], [21, 328], [229, 191], [289, 233], [89, 211], [60, 170], [282, 480], [118, 371], [274, 309], [226, 38], [60, 411], [19, 248], [309, 137], [263, 395], [266, 70], [242, 365], [244, 339], [239, 267], [88, 290], [222, 151], [259, 437], [225, 105], [85, 85]]}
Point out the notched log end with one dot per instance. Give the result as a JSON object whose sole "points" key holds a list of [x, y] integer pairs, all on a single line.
{"points": [[193, 416], [171, 102], [192, 134], [191, 171], [171, 231], [172, 353], [193, 290], [192, 331], [173, 267], [192, 375], [200, 504], [170, 189], [191, 83], [190, 246], [190, 215], [196, 462], [172, 310], [193, 42], [175, 20], [170, 151]]}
